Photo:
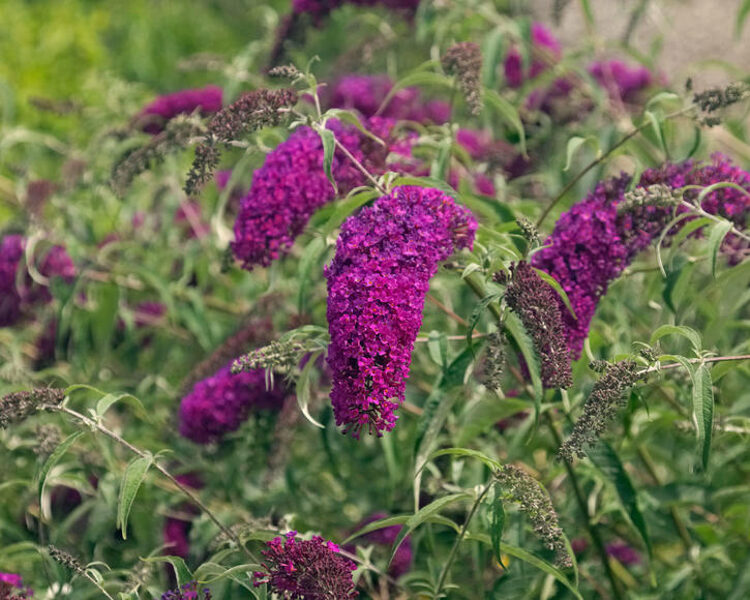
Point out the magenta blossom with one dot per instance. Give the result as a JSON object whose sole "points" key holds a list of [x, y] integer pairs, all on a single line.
{"points": [[219, 404], [12, 588], [306, 569], [206, 100], [622, 82], [377, 283], [545, 50], [623, 553], [292, 184], [188, 591], [593, 242]]}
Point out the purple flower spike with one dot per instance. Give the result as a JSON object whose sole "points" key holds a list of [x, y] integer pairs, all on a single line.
{"points": [[306, 569], [292, 184], [593, 242], [377, 282], [207, 100], [219, 404]]}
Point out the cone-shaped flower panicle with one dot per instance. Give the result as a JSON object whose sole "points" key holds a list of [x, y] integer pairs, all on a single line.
{"points": [[377, 282], [306, 569]]}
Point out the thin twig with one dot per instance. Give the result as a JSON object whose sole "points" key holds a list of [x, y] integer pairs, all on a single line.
{"points": [[447, 311], [184, 489], [359, 166], [600, 159]]}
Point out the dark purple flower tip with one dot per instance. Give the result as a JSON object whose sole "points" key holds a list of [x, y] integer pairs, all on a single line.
{"points": [[377, 282], [207, 100], [545, 50], [306, 569], [623, 553], [622, 82], [219, 404]]}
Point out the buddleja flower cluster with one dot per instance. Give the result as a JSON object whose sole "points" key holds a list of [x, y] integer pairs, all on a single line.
{"points": [[12, 588], [522, 488], [278, 207], [593, 242], [377, 282], [205, 100], [17, 406], [605, 399], [18, 292], [188, 591], [219, 404], [306, 569], [536, 304]]}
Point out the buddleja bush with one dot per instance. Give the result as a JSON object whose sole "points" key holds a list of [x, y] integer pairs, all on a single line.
{"points": [[451, 312]]}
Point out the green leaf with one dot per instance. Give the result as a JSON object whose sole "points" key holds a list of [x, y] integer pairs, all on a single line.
{"points": [[588, 12], [106, 298], [329, 145], [53, 459], [220, 572], [526, 346], [132, 479], [576, 143], [509, 113], [303, 389], [475, 316], [657, 127], [742, 13], [423, 515], [529, 558], [181, 571], [310, 257], [491, 463], [681, 330], [718, 233], [109, 400], [399, 520], [437, 346], [497, 525], [703, 411], [546, 277], [482, 415], [606, 460], [349, 117]]}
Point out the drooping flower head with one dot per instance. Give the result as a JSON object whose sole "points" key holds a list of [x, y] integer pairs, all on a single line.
{"points": [[386, 536], [545, 50], [622, 82], [593, 242], [206, 100], [537, 305], [188, 591], [306, 569], [219, 404], [377, 282], [292, 184], [12, 587]]}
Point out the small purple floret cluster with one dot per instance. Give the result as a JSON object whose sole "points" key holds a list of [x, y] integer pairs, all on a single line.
{"points": [[18, 293], [377, 283], [206, 100], [188, 591], [306, 569], [219, 404], [292, 184], [621, 81], [12, 588], [592, 244]]}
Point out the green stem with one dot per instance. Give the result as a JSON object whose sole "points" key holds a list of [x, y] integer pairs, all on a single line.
{"points": [[592, 529], [459, 537]]}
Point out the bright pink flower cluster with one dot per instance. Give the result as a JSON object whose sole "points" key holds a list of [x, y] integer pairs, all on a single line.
{"points": [[377, 283], [219, 404], [292, 184], [593, 242], [306, 569], [18, 291], [154, 116]]}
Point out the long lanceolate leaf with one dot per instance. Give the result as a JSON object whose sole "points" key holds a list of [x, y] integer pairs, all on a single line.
{"points": [[703, 411], [132, 479]]}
